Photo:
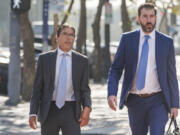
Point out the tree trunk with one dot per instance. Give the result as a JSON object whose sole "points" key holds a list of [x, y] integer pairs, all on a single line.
{"points": [[81, 38], [29, 62], [53, 36], [126, 23], [97, 40], [173, 19], [67, 12], [14, 69], [163, 26], [106, 55]]}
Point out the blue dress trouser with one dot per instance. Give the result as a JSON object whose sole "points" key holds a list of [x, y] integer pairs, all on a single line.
{"points": [[147, 113]]}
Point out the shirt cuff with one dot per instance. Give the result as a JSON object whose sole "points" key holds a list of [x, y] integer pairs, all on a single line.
{"points": [[30, 115]]}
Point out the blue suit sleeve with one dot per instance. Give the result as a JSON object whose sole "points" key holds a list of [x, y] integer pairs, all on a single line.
{"points": [[116, 68], [172, 78]]}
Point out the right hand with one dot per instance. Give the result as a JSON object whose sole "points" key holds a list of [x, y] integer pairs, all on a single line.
{"points": [[33, 122], [84, 118], [112, 102]]}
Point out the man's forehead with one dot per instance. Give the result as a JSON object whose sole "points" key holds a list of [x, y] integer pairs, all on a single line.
{"points": [[147, 10], [67, 29]]}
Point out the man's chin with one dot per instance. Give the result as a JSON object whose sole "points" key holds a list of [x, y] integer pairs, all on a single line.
{"points": [[149, 29]]}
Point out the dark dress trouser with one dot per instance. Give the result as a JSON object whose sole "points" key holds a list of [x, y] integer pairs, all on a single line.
{"points": [[61, 119], [144, 113]]}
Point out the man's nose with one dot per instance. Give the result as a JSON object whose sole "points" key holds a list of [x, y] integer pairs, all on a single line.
{"points": [[148, 19]]}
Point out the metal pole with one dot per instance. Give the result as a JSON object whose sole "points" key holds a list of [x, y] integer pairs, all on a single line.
{"points": [[45, 24], [107, 59], [14, 69]]}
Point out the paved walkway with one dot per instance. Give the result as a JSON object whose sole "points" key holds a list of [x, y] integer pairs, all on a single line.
{"points": [[14, 119]]}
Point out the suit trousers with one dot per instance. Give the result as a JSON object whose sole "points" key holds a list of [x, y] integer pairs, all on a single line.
{"points": [[61, 119], [150, 112]]}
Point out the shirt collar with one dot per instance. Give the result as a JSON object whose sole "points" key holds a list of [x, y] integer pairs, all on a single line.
{"points": [[142, 34], [60, 52]]}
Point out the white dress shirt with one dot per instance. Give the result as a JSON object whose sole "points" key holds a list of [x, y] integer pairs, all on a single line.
{"points": [[69, 91], [151, 82]]}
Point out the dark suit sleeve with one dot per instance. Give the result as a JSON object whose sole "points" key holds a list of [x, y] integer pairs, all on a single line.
{"points": [[172, 77], [37, 88], [85, 90], [116, 68]]}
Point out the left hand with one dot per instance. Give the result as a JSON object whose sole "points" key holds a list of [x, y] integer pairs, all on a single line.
{"points": [[84, 118], [174, 112]]}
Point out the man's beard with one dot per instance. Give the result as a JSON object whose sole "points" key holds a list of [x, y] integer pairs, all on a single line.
{"points": [[148, 27]]}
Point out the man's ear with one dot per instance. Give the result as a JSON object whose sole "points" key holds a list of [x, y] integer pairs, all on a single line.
{"points": [[56, 38], [138, 19]]}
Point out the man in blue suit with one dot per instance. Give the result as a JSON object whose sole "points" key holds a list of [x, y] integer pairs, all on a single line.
{"points": [[150, 87]]}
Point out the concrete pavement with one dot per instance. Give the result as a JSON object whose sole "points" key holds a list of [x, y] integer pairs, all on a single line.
{"points": [[14, 119]]}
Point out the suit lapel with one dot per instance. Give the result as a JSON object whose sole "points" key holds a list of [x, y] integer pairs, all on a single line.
{"points": [[136, 50], [157, 51], [53, 66], [74, 68]]}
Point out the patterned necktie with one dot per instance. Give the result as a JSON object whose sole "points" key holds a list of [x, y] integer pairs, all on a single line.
{"points": [[141, 74], [61, 88]]}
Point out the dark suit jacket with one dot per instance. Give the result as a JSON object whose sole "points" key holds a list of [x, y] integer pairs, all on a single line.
{"points": [[127, 57], [44, 83]]}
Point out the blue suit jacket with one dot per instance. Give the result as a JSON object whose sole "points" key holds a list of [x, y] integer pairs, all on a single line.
{"points": [[126, 59]]}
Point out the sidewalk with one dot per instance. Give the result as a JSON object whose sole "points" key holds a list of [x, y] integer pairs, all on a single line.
{"points": [[14, 119], [103, 120]]}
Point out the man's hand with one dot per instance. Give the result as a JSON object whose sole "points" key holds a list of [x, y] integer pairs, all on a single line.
{"points": [[84, 118], [33, 122], [174, 112], [112, 101]]}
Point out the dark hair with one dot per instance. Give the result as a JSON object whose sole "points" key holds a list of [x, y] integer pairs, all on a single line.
{"points": [[147, 6], [61, 27]]}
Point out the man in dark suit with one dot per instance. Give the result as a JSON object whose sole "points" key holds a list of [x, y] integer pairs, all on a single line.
{"points": [[61, 88], [150, 87]]}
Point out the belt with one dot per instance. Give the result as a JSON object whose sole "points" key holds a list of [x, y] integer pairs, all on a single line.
{"points": [[145, 95], [66, 102]]}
